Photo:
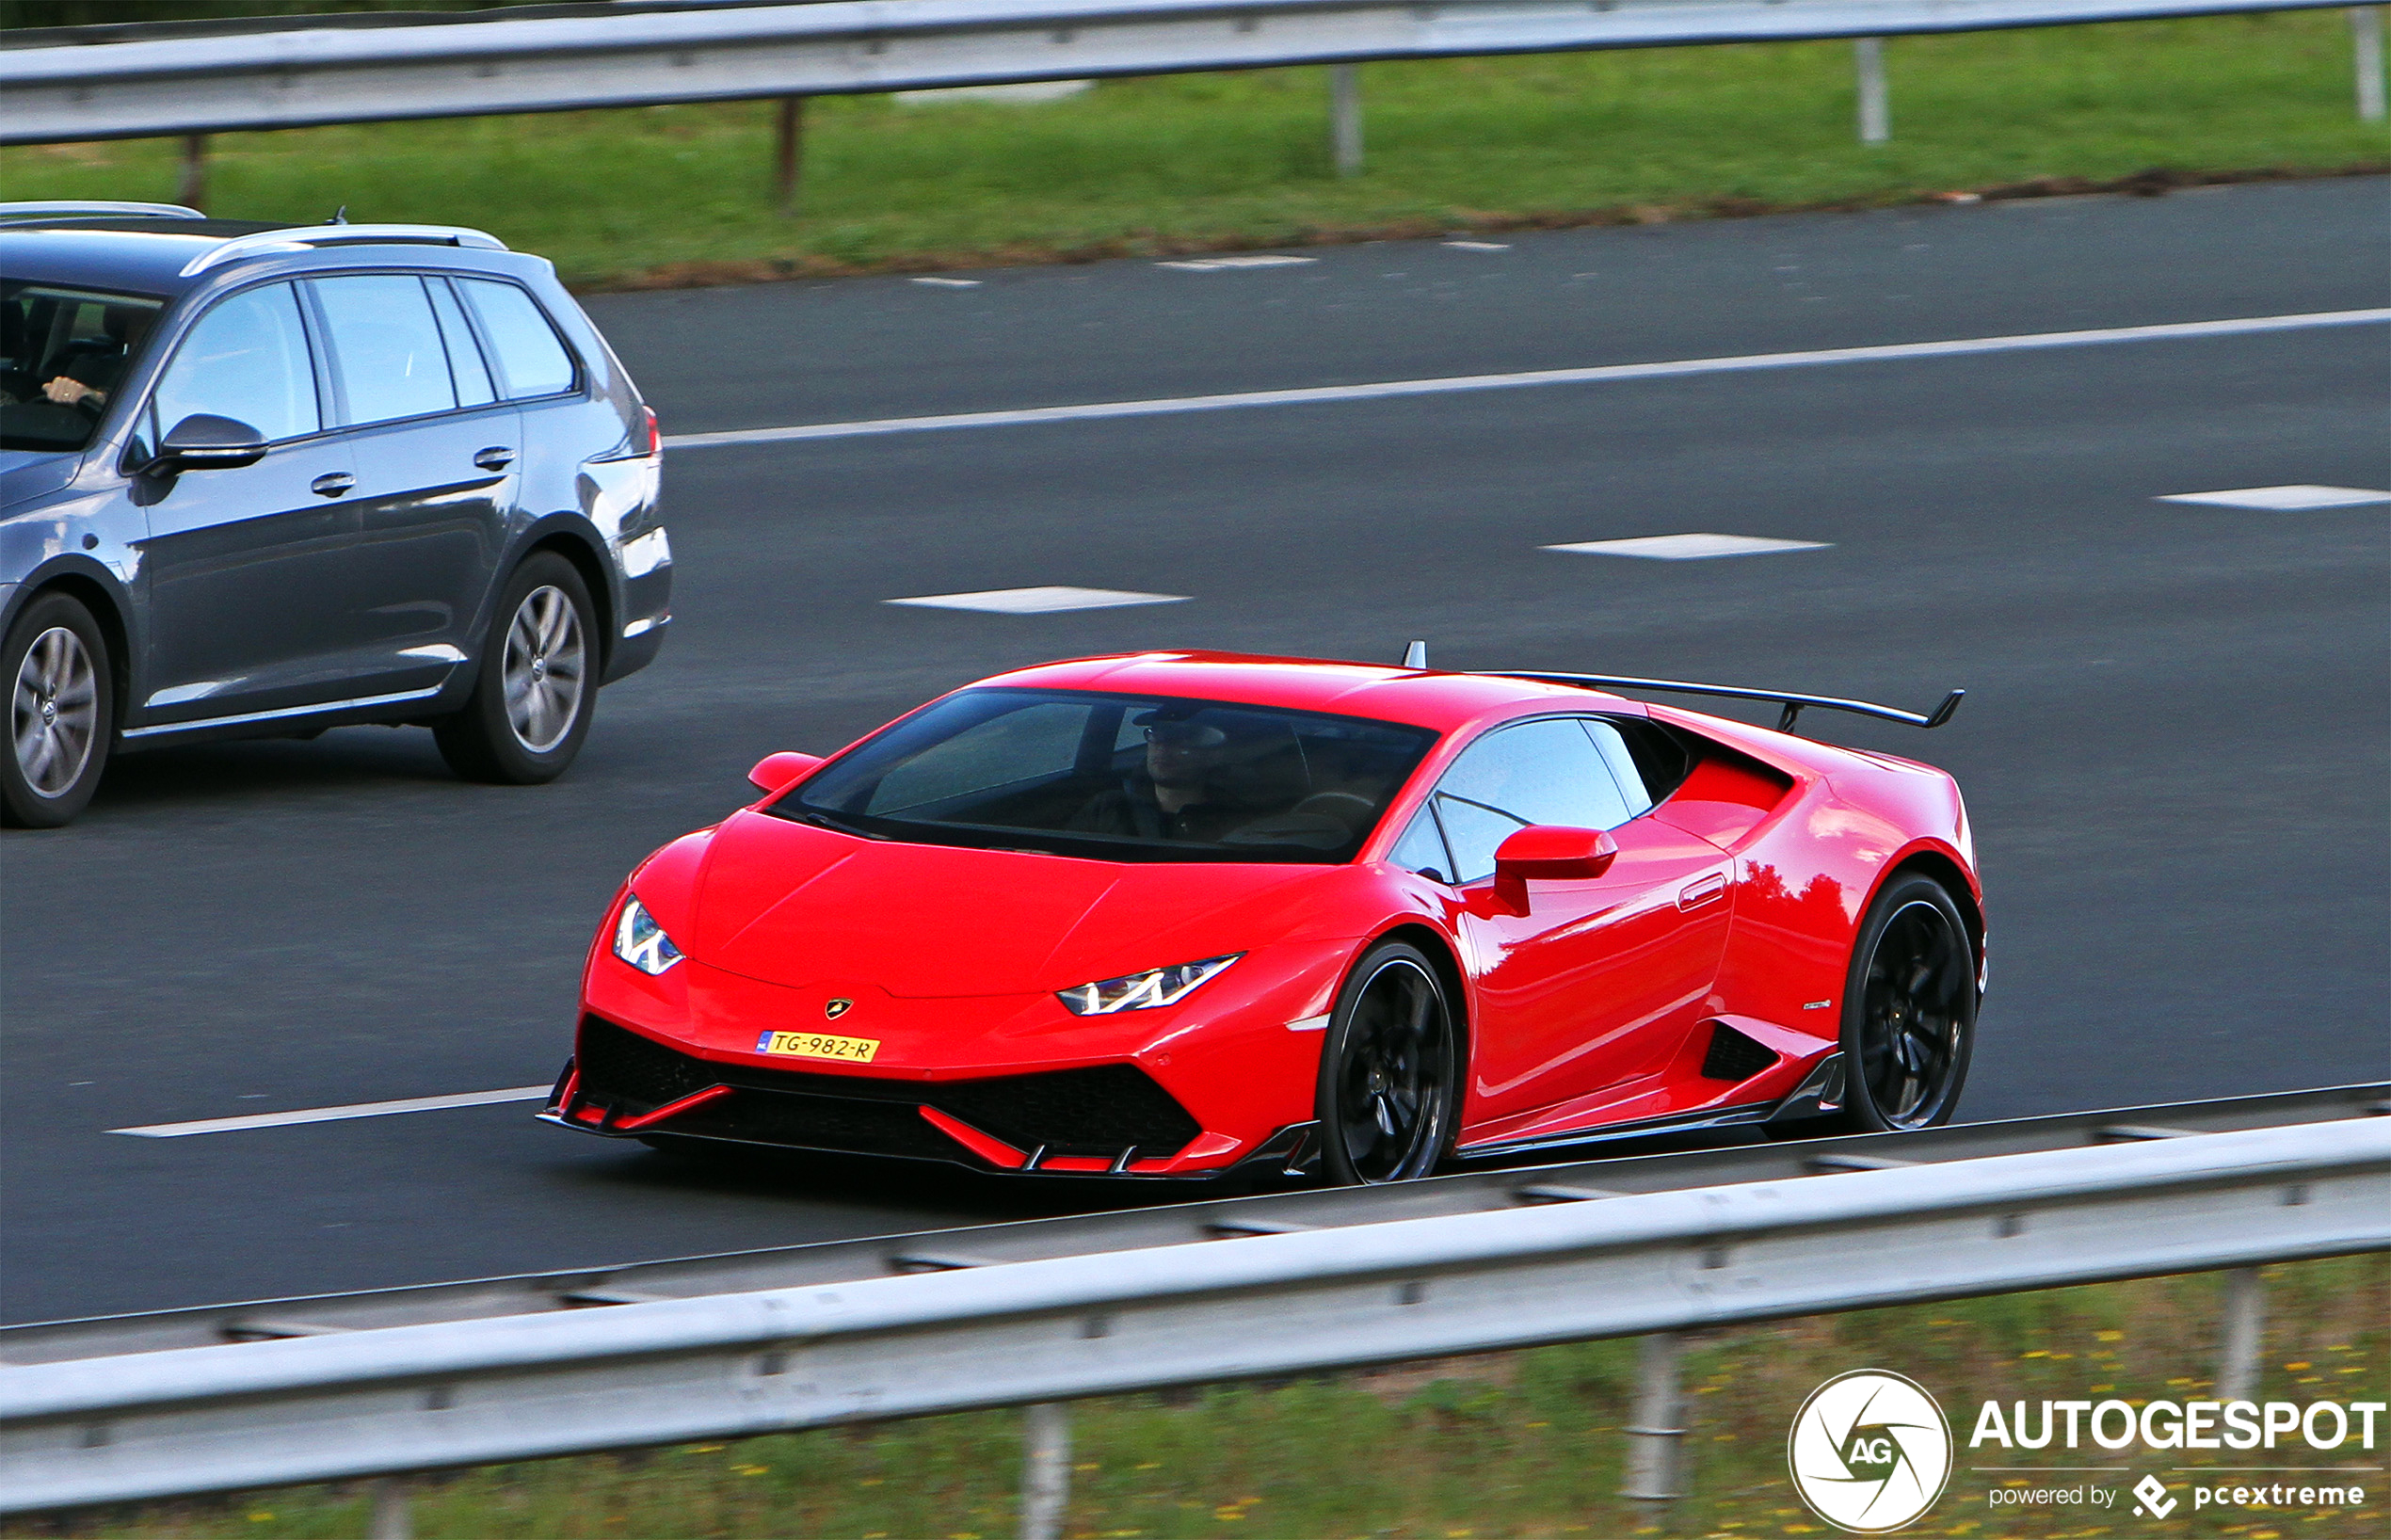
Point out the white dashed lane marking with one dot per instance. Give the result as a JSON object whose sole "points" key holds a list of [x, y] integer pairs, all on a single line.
{"points": [[2284, 499], [1687, 547], [1597, 375], [1478, 246], [1209, 264], [335, 1114], [950, 282], [1048, 600]]}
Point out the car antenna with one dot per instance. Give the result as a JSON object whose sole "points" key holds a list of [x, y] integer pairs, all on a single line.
{"points": [[1416, 655], [340, 216]]}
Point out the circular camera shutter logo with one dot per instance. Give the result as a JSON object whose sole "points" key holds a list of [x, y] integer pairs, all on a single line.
{"points": [[1870, 1452]]}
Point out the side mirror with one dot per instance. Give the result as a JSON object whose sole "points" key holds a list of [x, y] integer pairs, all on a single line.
{"points": [[1554, 853], [203, 442], [776, 771]]}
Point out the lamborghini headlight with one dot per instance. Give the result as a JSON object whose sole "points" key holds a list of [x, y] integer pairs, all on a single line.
{"points": [[641, 942], [1145, 991]]}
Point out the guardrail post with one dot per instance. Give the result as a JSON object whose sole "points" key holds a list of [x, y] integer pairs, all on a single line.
{"points": [[1045, 1469], [1344, 117], [2365, 37], [1876, 112], [394, 1517], [1657, 1435], [788, 151], [2245, 1330], [190, 181]]}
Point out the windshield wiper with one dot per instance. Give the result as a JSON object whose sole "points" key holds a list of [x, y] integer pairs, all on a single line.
{"points": [[822, 820]]}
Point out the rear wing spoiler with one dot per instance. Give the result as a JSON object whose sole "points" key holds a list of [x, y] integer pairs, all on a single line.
{"points": [[1794, 704]]}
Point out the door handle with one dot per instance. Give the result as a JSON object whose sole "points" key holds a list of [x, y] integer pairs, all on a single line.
{"points": [[496, 457], [1702, 891], [331, 484]]}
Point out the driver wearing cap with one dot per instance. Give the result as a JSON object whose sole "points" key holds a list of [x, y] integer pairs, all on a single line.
{"points": [[1174, 795]]}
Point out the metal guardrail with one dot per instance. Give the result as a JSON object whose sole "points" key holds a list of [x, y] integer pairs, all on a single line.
{"points": [[185, 85], [1584, 1264]]}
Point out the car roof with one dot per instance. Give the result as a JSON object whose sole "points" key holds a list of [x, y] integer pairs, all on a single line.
{"points": [[129, 254], [1415, 696]]}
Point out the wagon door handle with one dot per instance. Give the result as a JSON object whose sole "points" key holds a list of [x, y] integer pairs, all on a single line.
{"points": [[496, 457], [331, 484], [1703, 890]]}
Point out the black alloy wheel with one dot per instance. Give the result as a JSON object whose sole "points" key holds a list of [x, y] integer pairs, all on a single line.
{"points": [[1388, 1071], [532, 703], [1909, 1010], [62, 713]]}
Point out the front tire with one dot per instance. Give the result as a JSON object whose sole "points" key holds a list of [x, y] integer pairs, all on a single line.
{"points": [[62, 713], [1389, 1071], [1909, 1010], [531, 707]]}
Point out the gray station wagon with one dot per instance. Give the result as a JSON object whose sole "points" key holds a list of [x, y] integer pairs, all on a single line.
{"points": [[260, 480]]}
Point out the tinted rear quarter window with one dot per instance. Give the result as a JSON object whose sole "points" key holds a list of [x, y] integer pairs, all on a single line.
{"points": [[531, 361]]}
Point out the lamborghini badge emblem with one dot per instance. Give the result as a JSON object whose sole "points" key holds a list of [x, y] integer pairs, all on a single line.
{"points": [[838, 1008]]}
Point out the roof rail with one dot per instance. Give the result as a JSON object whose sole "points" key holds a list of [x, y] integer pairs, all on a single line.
{"points": [[300, 238], [1793, 704], [17, 213]]}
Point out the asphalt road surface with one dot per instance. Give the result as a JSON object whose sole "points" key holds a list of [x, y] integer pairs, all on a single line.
{"points": [[2174, 746]]}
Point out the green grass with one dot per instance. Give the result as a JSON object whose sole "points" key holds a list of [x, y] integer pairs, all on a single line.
{"points": [[1193, 161], [1523, 1444]]}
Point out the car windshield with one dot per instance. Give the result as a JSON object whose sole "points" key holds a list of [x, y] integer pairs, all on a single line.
{"points": [[1118, 777], [62, 352]]}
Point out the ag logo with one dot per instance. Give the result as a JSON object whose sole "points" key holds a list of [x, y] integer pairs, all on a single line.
{"points": [[1870, 1452], [838, 1008]]}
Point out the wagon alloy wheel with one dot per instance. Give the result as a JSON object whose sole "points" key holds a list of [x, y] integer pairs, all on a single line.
{"points": [[1388, 1073], [59, 704], [537, 683], [544, 671], [1911, 1015], [57, 711]]}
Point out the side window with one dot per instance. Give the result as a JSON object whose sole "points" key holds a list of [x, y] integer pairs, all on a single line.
{"points": [[465, 365], [531, 361], [1421, 849], [387, 358], [1613, 750], [1545, 772], [248, 360]]}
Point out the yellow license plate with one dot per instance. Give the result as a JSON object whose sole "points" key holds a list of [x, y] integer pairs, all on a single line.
{"points": [[818, 1045]]}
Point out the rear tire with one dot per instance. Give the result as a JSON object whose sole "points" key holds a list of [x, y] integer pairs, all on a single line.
{"points": [[62, 713], [531, 707], [1389, 1071], [1909, 1010]]}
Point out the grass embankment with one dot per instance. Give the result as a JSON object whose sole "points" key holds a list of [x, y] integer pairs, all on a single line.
{"points": [[1512, 1444], [1197, 162]]}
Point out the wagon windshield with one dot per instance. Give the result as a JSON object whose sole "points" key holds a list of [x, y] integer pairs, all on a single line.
{"points": [[62, 352], [1118, 777]]}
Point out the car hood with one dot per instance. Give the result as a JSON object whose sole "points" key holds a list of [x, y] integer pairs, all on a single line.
{"points": [[789, 904], [26, 473]]}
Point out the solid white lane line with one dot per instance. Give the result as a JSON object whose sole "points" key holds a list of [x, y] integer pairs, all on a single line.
{"points": [[334, 1114], [2297, 499], [1961, 347]]}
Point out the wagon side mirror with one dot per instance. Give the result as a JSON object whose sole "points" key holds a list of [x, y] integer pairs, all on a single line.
{"points": [[777, 771], [204, 442], [1552, 853]]}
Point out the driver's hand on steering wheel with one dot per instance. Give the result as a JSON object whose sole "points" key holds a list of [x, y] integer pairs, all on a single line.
{"points": [[67, 392]]}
